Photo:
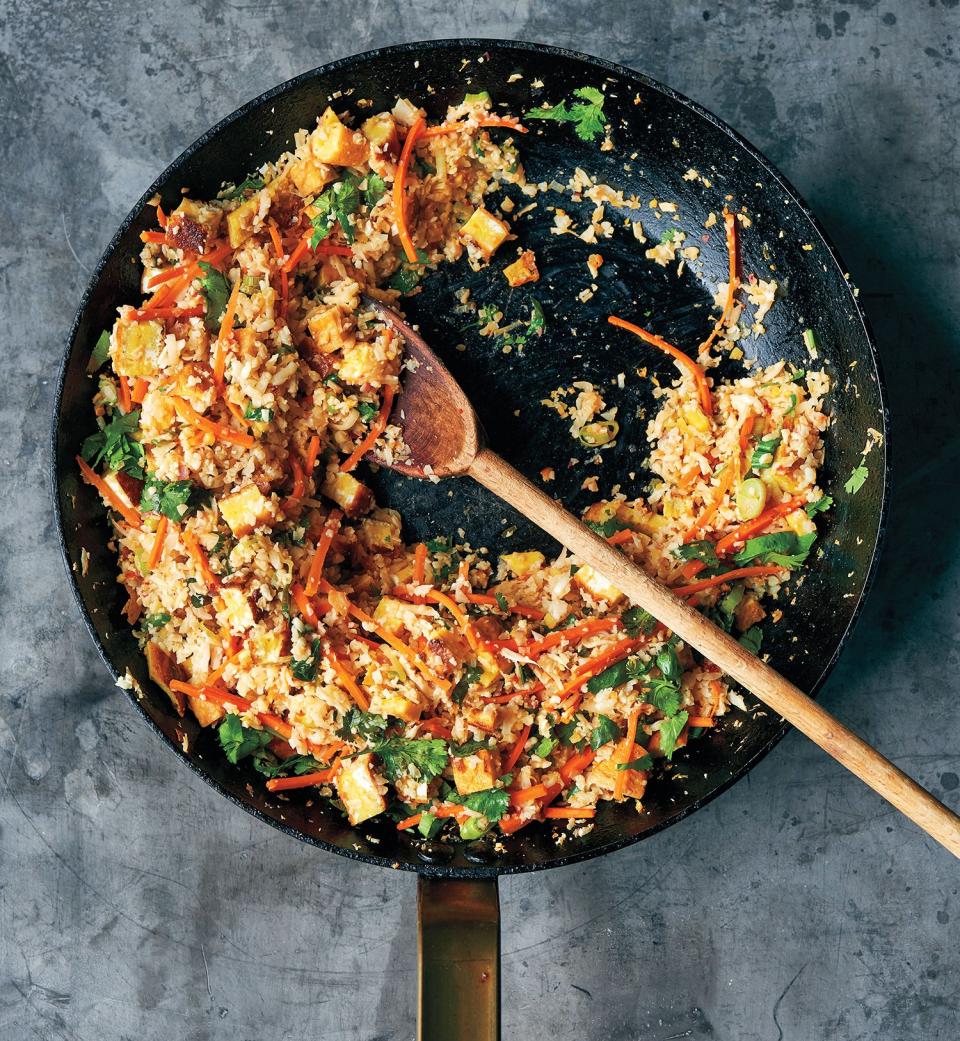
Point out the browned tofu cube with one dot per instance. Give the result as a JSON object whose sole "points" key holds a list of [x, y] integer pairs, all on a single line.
{"points": [[329, 331], [237, 614], [358, 789], [475, 773], [310, 177], [336, 144], [596, 585], [207, 712], [163, 669], [393, 703], [138, 349], [522, 270], [353, 497], [485, 231], [381, 132], [605, 775], [247, 509], [240, 221]]}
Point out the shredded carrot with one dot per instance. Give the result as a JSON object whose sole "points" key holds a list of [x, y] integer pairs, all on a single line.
{"points": [[624, 753], [409, 822], [347, 681], [165, 276], [502, 699], [299, 483], [511, 823], [595, 665], [698, 374], [285, 784], [207, 693], [304, 606], [399, 184], [139, 392], [517, 749], [330, 529], [297, 255], [129, 514], [576, 764], [157, 552], [733, 284], [462, 620], [144, 315], [220, 431], [153, 236], [277, 242], [746, 429], [754, 527], [574, 634], [518, 609], [760, 571], [275, 723], [577, 813], [521, 796], [161, 216], [200, 559], [376, 429], [226, 330], [701, 721], [618, 538], [486, 121], [723, 486], [313, 453], [419, 564], [126, 401]]}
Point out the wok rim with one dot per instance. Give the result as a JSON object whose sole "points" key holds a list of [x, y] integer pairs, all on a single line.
{"points": [[623, 73]]}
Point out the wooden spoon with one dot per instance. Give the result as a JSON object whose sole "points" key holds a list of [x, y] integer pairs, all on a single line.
{"points": [[443, 435]]}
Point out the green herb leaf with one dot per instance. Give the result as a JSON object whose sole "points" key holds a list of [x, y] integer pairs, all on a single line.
{"points": [[565, 732], [335, 206], [468, 748], [491, 802], [407, 277], [215, 288], [502, 602], [198, 599], [856, 480], [645, 762], [586, 115], [606, 528], [368, 411], [604, 732], [668, 664], [636, 621], [762, 457], [823, 503], [703, 550], [366, 725], [664, 696], [612, 677], [258, 415], [752, 639], [115, 447], [375, 190], [152, 622], [471, 673], [306, 668], [253, 184], [171, 498], [670, 730], [785, 548], [100, 352], [426, 756], [239, 741]]}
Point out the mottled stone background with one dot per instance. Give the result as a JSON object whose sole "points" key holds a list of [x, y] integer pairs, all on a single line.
{"points": [[135, 904]]}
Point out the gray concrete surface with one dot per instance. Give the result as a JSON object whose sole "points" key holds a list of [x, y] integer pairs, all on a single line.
{"points": [[135, 905]]}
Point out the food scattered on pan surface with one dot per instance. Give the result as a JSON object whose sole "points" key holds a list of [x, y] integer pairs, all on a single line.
{"points": [[277, 601]]}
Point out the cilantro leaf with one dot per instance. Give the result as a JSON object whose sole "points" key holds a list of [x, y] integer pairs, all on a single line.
{"points": [[468, 748], [762, 457], [703, 550], [664, 696], [367, 725], [606, 528], [785, 548], [248, 184], [407, 277], [586, 114], [375, 190], [670, 730], [823, 503], [752, 639], [152, 622], [306, 668], [258, 415], [636, 621], [491, 802], [604, 732], [538, 320], [471, 673], [239, 741], [856, 480], [335, 206], [645, 762], [426, 756], [115, 446], [612, 677], [215, 288], [502, 602], [170, 498], [668, 664], [368, 411], [565, 732], [100, 352]]}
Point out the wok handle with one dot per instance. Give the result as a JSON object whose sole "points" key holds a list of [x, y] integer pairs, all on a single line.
{"points": [[851, 751], [459, 946]]}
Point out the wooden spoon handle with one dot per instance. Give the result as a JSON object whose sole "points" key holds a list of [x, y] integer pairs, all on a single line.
{"points": [[723, 650]]}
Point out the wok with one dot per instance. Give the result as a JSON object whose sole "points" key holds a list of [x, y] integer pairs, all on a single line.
{"points": [[658, 136]]}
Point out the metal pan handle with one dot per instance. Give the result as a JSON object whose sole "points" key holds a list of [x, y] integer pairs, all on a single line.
{"points": [[459, 994]]}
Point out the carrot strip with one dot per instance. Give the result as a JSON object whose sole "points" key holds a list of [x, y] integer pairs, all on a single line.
{"points": [[723, 486], [161, 216], [129, 514], [286, 784], [419, 564], [521, 796], [517, 749], [409, 822], [436, 727], [399, 196], [313, 453], [618, 538], [701, 721], [733, 283], [208, 693], [126, 401], [304, 606], [595, 665], [315, 574], [226, 330], [746, 429], [624, 753], [297, 255], [274, 722], [139, 392], [760, 571], [755, 526], [462, 620], [157, 552], [376, 429], [576, 764], [577, 813], [153, 236], [518, 609], [277, 243], [223, 433], [574, 634], [347, 681], [200, 559], [502, 699], [698, 374], [165, 276]]}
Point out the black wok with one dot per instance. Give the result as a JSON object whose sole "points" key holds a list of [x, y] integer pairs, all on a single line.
{"points": [[667, 134]]}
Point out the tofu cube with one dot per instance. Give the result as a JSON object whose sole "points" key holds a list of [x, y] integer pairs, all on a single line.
{"points": [[310, 177], [485, 231], [207, 712], [268, 645], [246, 509], [358, 790], [237, 614], [381, 530], [328, 330], [337, 145], [240, 221], [362, 364], [208, 217], [393, 703], [597, 586], [522, 270], [397, 615], [605, 775], [348, 493], [381, 132], [476, 772], [138, 349], [163, 668], [522, 564]]}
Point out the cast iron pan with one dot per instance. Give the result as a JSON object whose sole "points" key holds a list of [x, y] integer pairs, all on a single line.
{"points": [[658, 136]]}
